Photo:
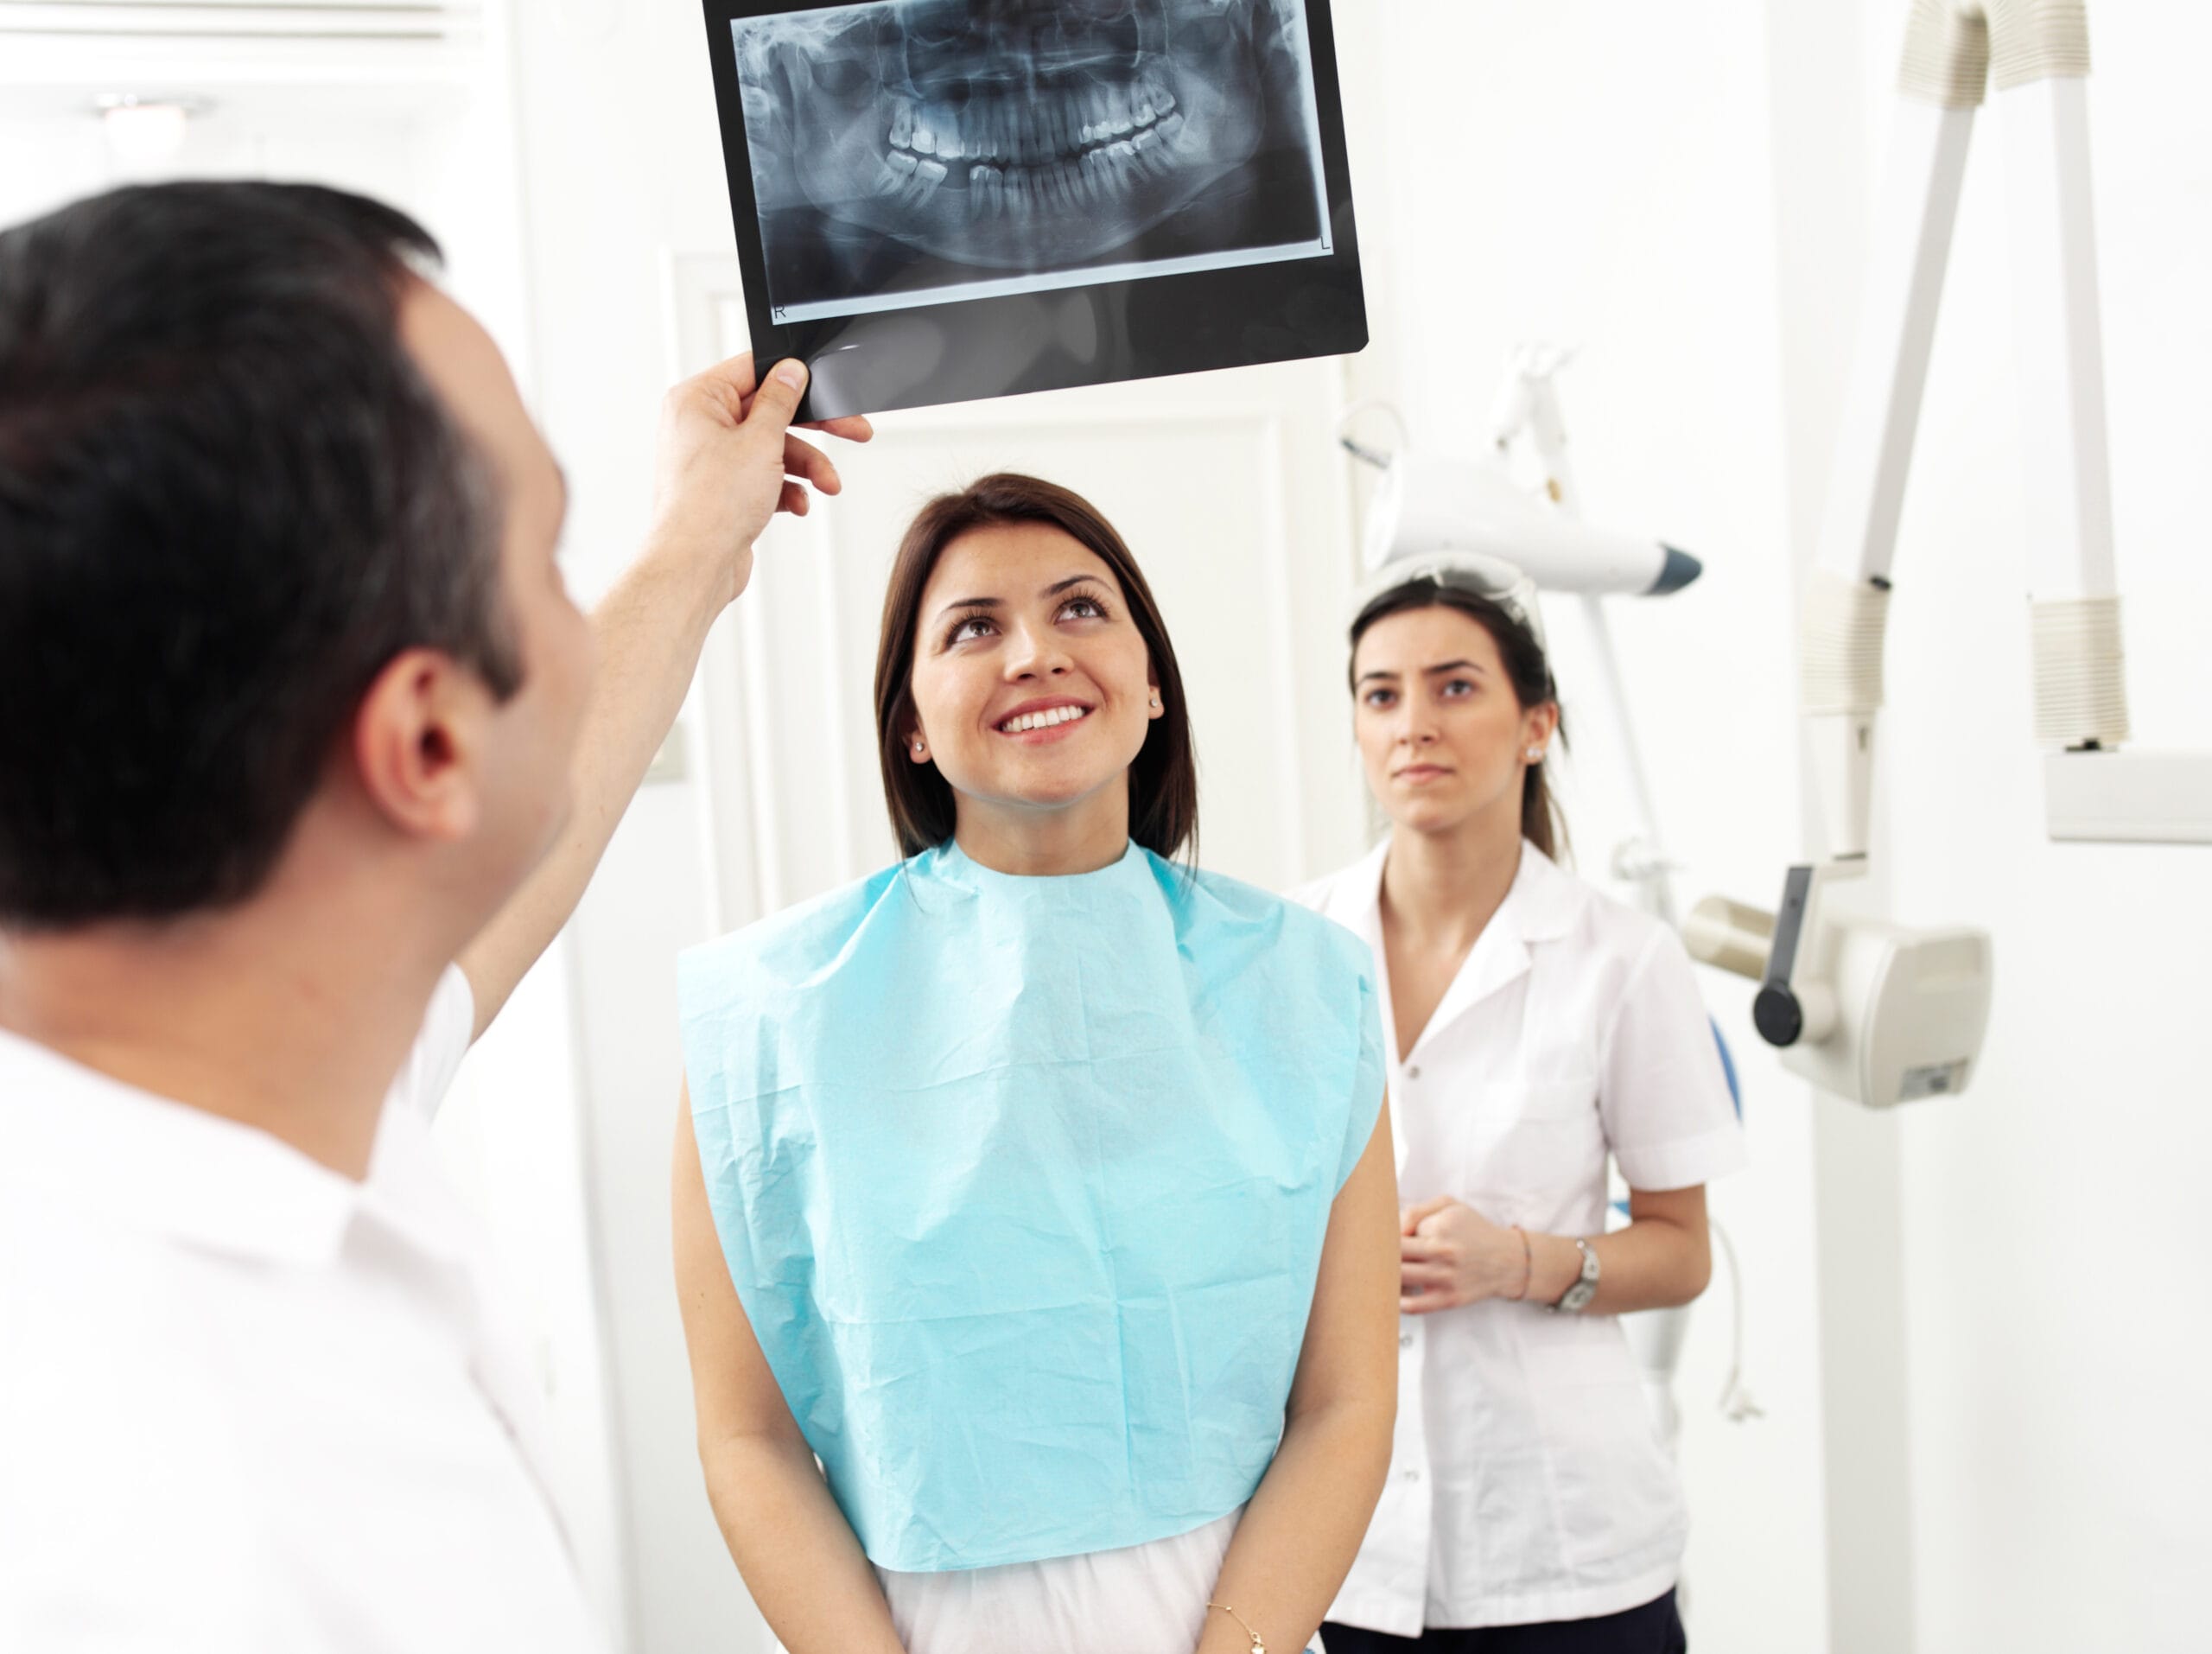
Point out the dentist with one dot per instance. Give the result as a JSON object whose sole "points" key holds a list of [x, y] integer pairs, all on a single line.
{"points": [[302, 763]]}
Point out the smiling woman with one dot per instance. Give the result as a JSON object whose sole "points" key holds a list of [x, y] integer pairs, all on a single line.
{"points": [[1009, 601], [1037, 1186]]}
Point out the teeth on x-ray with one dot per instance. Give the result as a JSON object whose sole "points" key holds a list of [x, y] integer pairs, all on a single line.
{"points": [[1088, 153], [997, 137]]}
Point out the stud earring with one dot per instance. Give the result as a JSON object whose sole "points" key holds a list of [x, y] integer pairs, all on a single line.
{"points": [[1156, 703], [1535, 754], [920, 751]]}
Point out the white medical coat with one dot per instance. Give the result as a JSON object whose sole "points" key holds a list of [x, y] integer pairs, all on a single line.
{"points": [[1527, 1481]]}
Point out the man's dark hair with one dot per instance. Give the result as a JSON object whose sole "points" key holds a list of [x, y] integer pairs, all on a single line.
{"points": [[228, 499]]}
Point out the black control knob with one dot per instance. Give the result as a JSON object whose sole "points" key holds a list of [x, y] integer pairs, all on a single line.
{"points": [[1777, 1015]]}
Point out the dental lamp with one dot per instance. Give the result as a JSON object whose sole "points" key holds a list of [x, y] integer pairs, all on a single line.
{"points": [[1426, 504], [1870, 1011]]}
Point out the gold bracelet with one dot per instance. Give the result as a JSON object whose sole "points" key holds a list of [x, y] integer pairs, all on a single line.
{"points": [[1258, 1647]]}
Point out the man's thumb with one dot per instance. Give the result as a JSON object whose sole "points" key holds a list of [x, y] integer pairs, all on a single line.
{"points": [[777, 400]]}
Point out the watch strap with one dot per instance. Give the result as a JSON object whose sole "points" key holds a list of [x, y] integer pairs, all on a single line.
{"points": [[1584, 1286]]}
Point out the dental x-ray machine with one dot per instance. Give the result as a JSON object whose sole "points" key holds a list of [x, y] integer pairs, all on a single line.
{"points": [[1867, 1009]]}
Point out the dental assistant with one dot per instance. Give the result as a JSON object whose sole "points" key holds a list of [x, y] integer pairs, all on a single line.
{"points": [[1037, 1186], [1537, 1028]]}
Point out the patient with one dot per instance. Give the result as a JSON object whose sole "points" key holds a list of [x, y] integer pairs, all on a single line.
{"points": [[1036, 1186]]}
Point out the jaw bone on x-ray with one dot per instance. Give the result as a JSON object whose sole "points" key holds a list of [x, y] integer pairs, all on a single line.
{"points": [[908, 154], [1040, 138]]}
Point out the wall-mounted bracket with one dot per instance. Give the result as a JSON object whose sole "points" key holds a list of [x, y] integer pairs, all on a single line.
{"points": [[2131, 797]]}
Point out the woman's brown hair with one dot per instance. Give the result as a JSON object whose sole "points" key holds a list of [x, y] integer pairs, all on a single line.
{"points": [[1163, 779], [1542, 823]]}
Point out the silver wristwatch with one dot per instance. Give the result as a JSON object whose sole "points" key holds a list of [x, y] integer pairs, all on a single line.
{"points": [[1586, 1284]]}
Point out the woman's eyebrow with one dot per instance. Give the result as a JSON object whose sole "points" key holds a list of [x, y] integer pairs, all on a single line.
{"points": [[1452, 666], [987, 603], [1387, 677], [969, 603]]}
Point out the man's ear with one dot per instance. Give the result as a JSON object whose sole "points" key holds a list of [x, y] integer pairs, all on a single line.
{"points": [[418, 744]]}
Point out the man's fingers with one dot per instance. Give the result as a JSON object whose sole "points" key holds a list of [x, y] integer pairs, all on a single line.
{"points": [[777, 400], [803, 458], [854, 428], [793, 498]]}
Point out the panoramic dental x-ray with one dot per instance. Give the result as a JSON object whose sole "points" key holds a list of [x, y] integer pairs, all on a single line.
{"points": [[907, 154], [908, 146]]}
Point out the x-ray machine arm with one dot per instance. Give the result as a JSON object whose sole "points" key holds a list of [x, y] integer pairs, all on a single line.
{"points": [[1875, 1011], [2040, 68], [1528, 404]]}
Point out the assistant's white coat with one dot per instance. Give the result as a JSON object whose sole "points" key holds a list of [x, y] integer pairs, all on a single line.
{"points": [[1528, 1481]]}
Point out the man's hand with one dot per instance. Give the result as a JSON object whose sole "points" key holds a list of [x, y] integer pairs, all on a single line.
{"points": [[728, 463], [1449, 1255]]}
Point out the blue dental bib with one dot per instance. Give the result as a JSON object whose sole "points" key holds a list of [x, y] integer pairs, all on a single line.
{"points": [[1023, 1183]]}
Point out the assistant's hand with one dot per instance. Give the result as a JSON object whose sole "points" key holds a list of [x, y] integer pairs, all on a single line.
{"points": [[728, 463], [1449, 1255]]}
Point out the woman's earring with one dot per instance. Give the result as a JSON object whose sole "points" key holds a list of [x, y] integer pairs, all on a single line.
{"points": [[921, 750], [1535, 754], [1156, 703]]}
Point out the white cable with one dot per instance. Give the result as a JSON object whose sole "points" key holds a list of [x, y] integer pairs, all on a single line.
{"points": [[1736, 1403]]}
